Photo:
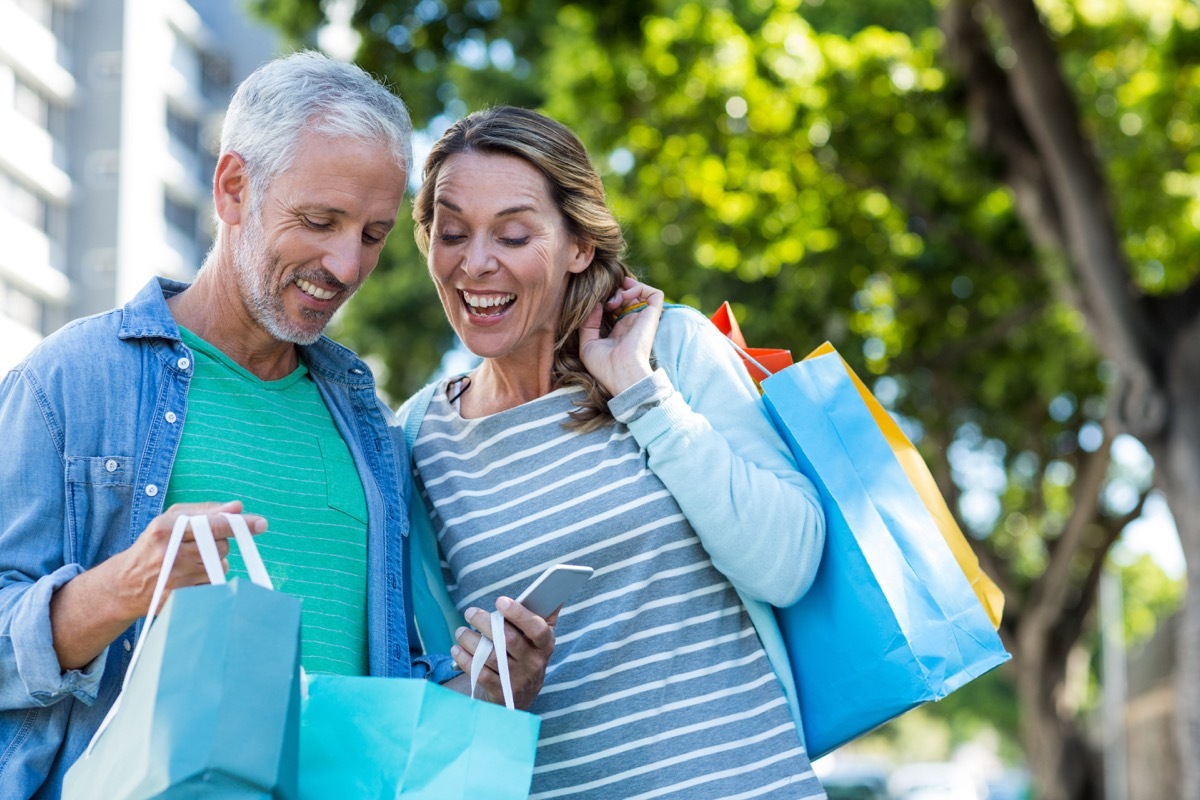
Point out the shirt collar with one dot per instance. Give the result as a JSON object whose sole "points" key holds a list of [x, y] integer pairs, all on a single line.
{"points": [[147, 316]]}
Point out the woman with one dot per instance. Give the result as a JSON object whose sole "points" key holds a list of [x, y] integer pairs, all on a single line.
{"points": [[567, 444]]}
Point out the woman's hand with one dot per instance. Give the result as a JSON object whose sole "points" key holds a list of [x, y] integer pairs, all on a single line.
{"points": [[529, 642], [623, 358]]}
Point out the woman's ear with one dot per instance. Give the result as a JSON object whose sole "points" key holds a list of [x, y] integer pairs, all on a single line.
{"points": [[582, 256], [230, 187]]}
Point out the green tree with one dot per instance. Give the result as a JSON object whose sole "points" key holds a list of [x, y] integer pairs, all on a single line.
{"points": [[984, 205]]}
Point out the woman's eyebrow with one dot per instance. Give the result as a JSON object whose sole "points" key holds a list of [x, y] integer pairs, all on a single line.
{"points": [[507, 212]]}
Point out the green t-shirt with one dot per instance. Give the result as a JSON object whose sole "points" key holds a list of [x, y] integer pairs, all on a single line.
{"points": [[274, 446]]}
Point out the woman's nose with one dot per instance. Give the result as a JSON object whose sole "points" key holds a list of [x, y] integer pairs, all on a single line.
{"points": [[479, 260]]}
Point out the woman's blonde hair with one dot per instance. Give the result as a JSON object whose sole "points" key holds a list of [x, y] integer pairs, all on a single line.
{"points": [[557, 153]]}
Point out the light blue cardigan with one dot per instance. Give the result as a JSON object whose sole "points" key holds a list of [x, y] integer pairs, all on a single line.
{"points": [[711, 444]]}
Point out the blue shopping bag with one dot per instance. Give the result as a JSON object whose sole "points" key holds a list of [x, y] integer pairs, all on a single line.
{"points": [[412, 739], [891, 621], [211, 702]]}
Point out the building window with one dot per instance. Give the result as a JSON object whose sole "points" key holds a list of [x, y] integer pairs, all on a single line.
{"points": [[183, 129], [24, 204], [180, 215], [215, 75], [60, 24], [31, 104], [22, 307]]}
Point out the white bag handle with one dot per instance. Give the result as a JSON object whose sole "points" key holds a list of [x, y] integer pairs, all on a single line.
{"points": [[207, 545], [485, 648], [766, 372], [248, 548]]}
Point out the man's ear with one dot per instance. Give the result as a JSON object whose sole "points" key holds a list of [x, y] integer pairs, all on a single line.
{"points": [[230, 188]]}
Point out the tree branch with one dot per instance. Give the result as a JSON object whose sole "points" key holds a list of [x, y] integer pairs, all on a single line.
{"points": [[1047, 599], [1061, 194]]}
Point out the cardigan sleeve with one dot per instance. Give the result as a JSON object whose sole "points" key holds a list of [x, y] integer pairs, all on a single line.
{"points": [[705, 430]]}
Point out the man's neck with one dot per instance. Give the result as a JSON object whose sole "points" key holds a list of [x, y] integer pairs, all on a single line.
{"points": [[222, 320]]}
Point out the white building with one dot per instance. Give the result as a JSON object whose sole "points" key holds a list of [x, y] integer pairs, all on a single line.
{"points": [[109, 113]]}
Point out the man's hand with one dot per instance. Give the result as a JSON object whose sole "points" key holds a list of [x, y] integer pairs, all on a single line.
{"points": [[530, 643], [95, 607]]}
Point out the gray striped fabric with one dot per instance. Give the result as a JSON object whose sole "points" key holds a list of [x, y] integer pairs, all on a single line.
{"points": [[658, 686]]}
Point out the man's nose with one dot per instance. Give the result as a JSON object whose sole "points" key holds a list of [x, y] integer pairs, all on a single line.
{"points": [[344, 257]]}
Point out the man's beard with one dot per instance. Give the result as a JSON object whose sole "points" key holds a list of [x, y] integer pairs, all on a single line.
{"points": [[256, 267]]}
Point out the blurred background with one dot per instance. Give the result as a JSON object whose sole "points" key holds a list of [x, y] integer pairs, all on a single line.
{"points": [[989, 206]]}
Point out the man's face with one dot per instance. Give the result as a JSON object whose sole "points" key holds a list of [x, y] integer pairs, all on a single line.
{"points": [[315, 234]]}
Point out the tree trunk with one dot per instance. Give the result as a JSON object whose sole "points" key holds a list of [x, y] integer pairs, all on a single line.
{"points": [[1063, 764], [1177, 455], [1027, 116]]}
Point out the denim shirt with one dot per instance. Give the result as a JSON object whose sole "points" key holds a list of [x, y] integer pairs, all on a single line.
{"points": [[90, 425]]}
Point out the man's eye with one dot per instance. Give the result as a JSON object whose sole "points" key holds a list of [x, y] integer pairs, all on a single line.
{"points": [[315, 224], [372, 239]]}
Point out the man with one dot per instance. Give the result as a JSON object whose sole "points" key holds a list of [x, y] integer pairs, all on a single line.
{"points": [[223, 390]]}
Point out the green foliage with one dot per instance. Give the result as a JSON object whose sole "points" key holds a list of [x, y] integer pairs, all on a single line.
{"points": [[1149, 596]]}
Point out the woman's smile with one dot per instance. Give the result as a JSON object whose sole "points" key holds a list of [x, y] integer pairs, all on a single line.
{"points": [[487, 305]]}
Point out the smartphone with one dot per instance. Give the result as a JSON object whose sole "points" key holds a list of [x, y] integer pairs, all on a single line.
{"points": [[553, 587]]}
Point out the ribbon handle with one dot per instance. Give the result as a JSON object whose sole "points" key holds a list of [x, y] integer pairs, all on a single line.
{"points": [[485, 648], [207, 545]]}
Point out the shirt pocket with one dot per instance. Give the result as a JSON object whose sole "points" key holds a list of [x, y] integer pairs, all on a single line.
{"points": [[343, 486], [99, 500]]}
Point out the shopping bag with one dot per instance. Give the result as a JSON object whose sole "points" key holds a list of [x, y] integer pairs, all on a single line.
{"points": [[891, 620], [761, 362], [211, 702], [412, 739], [922, 480]]}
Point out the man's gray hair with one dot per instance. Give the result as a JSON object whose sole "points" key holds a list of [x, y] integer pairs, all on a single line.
{"points": [[309, 91]]}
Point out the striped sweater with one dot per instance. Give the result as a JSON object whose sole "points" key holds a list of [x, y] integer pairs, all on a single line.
{"points": [[659, 686]]}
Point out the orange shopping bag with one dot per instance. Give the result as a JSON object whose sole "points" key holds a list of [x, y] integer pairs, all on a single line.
{"points": [[760, 361]]}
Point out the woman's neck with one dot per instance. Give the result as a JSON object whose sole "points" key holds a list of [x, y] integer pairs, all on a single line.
{"points": [[500, 384]]}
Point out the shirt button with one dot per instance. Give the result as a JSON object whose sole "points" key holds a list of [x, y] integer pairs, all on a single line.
{"points": [[128, 647], [183, 363], [111, 465], [170, 417], [151, 490]]}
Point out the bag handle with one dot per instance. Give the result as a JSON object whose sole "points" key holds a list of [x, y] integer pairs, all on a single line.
{"points": [[766, 372], [255, 568], [485, 648], [207, 545]]}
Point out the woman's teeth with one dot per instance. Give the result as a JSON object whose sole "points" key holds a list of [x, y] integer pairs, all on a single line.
{"points": [[488, 305]]}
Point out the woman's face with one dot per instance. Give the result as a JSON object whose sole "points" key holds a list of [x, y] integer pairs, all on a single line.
{"points": [[500, 253]]}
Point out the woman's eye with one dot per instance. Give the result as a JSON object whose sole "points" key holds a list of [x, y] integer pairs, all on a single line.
{"points": [[451, 238], [515, 241]]}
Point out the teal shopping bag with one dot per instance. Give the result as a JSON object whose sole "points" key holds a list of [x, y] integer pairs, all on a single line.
{"points": [[411, 739], [211, 703], [890, 621]]}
